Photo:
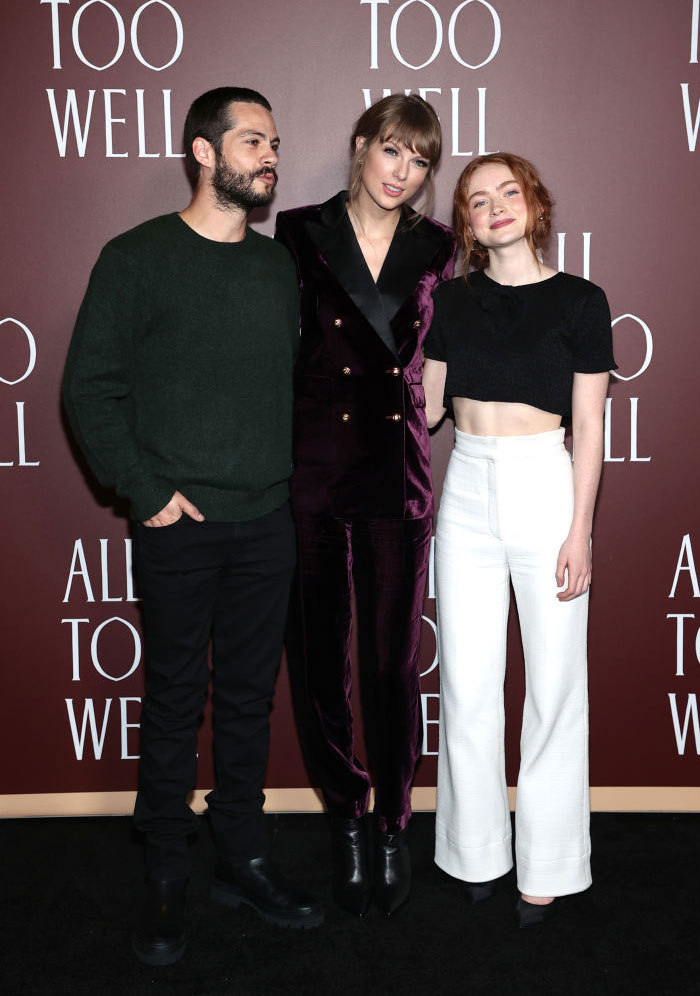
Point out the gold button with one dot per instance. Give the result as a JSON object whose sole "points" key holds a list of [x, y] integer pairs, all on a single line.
{"points": [[347, 371], [345, 417], [396, 371], [417, 324], [393, 418], [337, 322]]}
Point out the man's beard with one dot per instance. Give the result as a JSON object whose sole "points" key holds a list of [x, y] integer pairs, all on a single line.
{"points": [[232, 188]]}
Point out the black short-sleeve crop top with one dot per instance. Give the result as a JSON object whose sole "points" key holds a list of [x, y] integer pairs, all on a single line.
{"points": [[520, 344]]}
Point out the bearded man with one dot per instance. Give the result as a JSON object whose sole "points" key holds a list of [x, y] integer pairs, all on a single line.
{"points": [[178, 385]]}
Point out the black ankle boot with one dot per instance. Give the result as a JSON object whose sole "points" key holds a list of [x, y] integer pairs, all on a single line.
{"points": [[159, 932], [261, 885], [392, 871], [351, 881]]}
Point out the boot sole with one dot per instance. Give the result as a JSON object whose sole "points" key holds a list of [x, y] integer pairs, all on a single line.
{"points": [[226, 895], [159, 957]]}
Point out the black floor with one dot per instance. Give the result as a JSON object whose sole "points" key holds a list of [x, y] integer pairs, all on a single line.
{"points": [[69, 886]]}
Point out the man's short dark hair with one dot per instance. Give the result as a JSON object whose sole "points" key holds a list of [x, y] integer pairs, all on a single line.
{"points": [[209, 118]]}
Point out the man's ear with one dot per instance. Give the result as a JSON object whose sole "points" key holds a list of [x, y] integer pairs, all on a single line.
{"points": [[203, 152]]}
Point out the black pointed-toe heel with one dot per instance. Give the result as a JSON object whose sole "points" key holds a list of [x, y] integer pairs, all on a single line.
{"points": [[352, 887], [530, 915], [478, 892], [392, 871]]}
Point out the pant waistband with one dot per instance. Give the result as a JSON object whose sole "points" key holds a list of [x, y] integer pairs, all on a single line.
{"points": [[508, 447]]}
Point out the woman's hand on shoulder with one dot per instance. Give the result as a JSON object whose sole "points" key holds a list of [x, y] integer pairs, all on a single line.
{"points": [[574, 567]]}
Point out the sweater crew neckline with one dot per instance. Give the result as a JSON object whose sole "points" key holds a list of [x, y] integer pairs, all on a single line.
{"points": [[517, 287], [212, 245]]}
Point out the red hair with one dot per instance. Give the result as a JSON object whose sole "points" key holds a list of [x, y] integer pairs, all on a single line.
{"points": [[537, 199]]}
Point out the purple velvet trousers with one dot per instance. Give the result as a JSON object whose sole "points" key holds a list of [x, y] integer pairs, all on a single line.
{"points": [[385, 562]]}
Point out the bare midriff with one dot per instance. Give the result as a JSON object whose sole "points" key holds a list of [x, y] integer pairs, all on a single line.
{"points": [[501, 418]]}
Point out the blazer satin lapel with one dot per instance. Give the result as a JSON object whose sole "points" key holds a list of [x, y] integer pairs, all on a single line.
{"points": [[410, 255], [335, 239]]}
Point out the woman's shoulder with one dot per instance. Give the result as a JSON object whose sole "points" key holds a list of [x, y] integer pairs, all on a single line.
{"points": [[458, 292], [436, 227], [465, 285], [578, 287], [327, 211], [293, 218], [428, 227]]}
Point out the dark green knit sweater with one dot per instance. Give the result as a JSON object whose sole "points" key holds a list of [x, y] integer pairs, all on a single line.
{"points": [[179, 373]]}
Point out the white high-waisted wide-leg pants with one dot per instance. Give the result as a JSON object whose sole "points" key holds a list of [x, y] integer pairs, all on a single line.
{"points": [[506, 508]]}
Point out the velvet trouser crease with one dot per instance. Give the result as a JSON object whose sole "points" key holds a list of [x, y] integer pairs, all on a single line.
{"points": [[228, 581], [385, 562]]}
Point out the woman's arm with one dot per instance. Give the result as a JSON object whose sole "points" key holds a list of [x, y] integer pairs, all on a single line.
{"points": [[588, 406], [434, 373]]}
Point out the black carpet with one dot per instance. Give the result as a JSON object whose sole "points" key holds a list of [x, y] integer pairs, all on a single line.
{"points": [[69, 888]]}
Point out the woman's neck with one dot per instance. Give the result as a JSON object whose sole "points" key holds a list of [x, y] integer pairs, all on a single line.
{"points": [[515, 265], [374, 233], [373, 221]]}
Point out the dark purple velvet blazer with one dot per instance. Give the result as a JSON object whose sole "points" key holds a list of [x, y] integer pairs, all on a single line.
{"points": [[361, 447]]}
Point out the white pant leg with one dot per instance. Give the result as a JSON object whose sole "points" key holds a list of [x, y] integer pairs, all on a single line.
{"points": [[473, 828], [552, 809]]}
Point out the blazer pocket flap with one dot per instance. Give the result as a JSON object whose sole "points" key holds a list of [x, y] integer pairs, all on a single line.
{"points": [[417, 395]]}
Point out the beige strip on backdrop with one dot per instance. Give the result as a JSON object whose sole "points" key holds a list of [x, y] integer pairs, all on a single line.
{"points": [[620, 799]]}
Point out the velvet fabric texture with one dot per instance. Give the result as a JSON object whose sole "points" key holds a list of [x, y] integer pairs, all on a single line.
{"points": [[361, 446], [386, 561], [362, 498]]}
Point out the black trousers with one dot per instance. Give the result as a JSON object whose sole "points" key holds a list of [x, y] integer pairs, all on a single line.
{"points": [[228, 581]]}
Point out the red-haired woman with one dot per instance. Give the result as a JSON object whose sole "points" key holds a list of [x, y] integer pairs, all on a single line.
{"points": [[518, 349], [361, 488]]}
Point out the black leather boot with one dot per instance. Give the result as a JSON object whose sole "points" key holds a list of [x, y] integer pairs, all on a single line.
{"points": [[351, 881], [392, 871], [159, 932], [260, 885]]}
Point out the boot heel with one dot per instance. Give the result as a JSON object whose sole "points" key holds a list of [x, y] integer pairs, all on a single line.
{"points": [[392, 871]]}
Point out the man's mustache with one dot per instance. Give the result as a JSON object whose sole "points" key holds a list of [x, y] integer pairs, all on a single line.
{"points": [[265, 169]]}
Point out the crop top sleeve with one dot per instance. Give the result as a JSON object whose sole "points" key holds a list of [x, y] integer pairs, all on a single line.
{"points": [[520, 344]]}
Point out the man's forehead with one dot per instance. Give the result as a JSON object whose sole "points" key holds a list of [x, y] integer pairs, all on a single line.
{"points": [[244, 115]]}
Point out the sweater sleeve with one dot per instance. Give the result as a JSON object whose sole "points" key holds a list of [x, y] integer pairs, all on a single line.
{"points": [[592, 334], [97, 384]]}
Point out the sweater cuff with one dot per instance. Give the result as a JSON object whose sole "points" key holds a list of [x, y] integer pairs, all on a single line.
{"points": [[148, 495]]}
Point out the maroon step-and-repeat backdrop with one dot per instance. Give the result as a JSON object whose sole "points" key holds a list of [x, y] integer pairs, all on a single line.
{"points": [[603, 97]]}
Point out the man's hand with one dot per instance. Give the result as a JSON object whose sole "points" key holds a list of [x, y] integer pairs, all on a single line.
{"points": [[173, 511]]}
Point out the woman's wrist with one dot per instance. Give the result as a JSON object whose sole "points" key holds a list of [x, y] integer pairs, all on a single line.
{"points": [[581, 530]]}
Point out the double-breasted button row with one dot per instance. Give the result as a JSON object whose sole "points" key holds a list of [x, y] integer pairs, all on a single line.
{"points": [[416, 325], [392, 371], [395, 417]]}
